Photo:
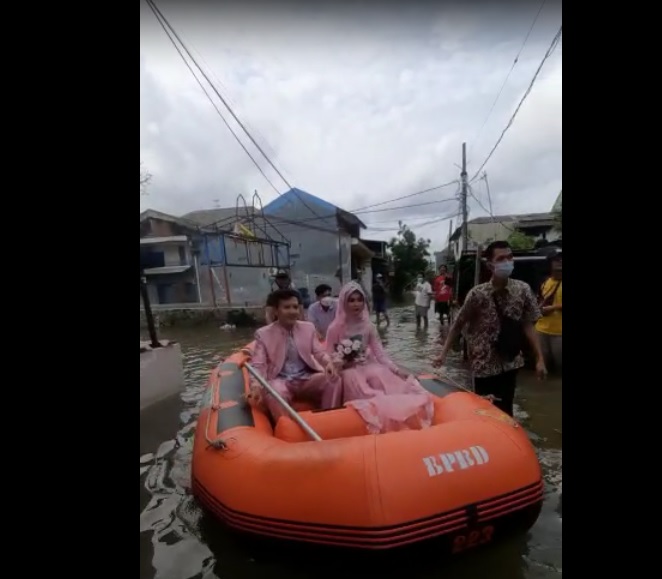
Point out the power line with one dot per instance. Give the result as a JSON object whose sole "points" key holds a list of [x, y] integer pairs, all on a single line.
{"points": [[362, 210], [156, 11], [216, 91], [407, 196], [220, 114], [167, 27], [550, 50], [494, 219], [255, 130], [505, 81]]}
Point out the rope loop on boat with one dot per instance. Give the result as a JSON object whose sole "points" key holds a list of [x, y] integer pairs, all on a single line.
{"points": [[218, 444], [215, 443]]}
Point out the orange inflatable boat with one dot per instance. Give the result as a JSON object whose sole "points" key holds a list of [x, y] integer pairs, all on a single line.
{"points": [[471, 477]]}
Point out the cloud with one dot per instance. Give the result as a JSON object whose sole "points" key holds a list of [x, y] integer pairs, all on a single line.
{"points": [[355, 105]]}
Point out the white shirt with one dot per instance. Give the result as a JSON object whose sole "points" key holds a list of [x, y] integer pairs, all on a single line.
{"points": [[423, 291]]}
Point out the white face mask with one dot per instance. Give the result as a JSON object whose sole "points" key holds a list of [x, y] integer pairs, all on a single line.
{"points": [[326, 302], [504, 269]]}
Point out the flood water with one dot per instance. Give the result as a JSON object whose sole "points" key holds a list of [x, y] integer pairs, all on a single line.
{"points": [[177, 541]]}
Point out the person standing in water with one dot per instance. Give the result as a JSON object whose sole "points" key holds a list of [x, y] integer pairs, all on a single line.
{"points": [[379, 299], [322, 312], [549, 327], [498, 315], [443, 294], [422, 301]]}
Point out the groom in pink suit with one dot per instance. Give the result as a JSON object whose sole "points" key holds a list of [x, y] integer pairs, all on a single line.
{"points": [[291, 358]]}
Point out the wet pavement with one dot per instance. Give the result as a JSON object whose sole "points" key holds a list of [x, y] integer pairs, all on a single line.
{"points": [[178, 542]]}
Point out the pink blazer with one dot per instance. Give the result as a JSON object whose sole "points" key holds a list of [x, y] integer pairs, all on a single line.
{"points": [[271, 348]]}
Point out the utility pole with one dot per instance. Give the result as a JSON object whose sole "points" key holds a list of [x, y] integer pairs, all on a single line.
{"points": [[450, 234], [149, 317], [463, 179]]}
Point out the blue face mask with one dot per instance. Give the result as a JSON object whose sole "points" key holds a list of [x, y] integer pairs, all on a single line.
{"points": [[504, 268]]}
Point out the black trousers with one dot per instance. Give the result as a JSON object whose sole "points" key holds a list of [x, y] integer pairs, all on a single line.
{"points": [[442, 308], [501, 386]]}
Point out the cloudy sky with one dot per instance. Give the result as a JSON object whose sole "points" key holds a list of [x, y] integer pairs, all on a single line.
{"points": [[355, 103]]}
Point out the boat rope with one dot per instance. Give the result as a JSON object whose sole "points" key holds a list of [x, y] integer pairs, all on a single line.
{"points": [[216, 443]]}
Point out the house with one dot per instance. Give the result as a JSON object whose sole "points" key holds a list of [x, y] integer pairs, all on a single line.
{"points": [[540, 226], [443, 257], [483, 230], [168, 260], [325, 240], [558, 204], [239, 250], [228, 256]]}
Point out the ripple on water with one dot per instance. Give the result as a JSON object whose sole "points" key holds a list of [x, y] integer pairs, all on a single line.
{"points": [[171, 519]]}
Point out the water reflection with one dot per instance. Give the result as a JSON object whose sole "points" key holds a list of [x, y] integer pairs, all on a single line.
{"points": [[178, 541]]}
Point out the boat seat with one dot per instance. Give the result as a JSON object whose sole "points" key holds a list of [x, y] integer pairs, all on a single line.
{"points": [[345, 422], [302, 405], [329, 424]]}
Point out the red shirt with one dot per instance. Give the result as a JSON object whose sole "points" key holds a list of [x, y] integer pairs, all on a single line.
{"points": [[442, 292]]}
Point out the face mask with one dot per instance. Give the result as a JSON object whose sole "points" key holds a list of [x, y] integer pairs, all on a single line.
{"points": [[504, 268], [326, 302]]}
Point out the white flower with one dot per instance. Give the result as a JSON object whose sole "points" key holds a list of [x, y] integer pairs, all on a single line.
{"points": [[346, 343], [356, 345], [348, 350]]}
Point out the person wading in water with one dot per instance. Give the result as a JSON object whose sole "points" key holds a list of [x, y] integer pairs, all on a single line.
{"points": [[549, 327], [379, 300], [498, 316]]}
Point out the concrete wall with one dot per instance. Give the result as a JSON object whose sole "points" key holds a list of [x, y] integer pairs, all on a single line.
{"points": [[161, 374], [315, 256], [192, 315], [249, 286]]}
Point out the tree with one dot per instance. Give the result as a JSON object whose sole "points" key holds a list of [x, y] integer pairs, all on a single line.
{"points": [[409, 256], [145, 178], [519, 240], [557, 217]]}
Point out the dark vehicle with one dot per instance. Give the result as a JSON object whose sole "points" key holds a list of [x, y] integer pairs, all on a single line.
{"points": [[530, 266], [305, 296]]}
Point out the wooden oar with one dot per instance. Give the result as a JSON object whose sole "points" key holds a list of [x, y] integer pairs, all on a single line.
{"points": [[292, 413]]}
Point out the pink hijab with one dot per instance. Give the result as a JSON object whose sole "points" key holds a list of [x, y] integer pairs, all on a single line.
{"points": [[345, 324]]}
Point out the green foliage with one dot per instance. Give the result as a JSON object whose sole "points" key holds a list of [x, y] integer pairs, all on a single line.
{"points": [[519, 240], [410, 256], [557, 218]]}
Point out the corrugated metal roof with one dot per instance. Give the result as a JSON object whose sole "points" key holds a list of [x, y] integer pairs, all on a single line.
{"points": [[325, 208], [221, 216], [167, 269]]}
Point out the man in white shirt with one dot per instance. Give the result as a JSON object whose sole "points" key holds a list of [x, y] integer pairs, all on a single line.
{"points": [[422, 301], [322, 312]]}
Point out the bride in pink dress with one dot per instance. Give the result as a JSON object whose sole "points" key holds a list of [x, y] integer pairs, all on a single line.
{"points": [[384, 396]]}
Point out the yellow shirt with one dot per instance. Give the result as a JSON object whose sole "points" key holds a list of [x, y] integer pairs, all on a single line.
{"points": [[552, 323]]}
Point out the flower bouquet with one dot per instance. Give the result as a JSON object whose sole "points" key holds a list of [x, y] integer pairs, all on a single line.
{"points": [[349, 351]]}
